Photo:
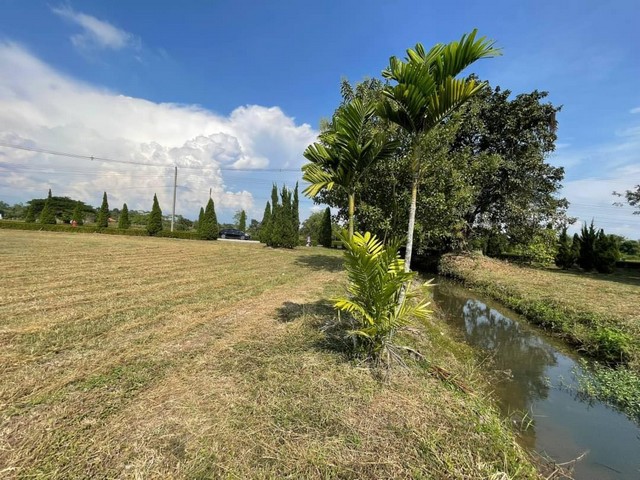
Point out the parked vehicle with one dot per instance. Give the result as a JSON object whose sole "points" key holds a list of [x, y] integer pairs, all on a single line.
{"points": [[232, 233]]}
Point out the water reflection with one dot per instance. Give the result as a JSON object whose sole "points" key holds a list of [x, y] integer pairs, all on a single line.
{"points": [[540, 383]]}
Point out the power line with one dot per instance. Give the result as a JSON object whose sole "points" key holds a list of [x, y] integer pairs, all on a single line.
{"points": [[131, 162]]}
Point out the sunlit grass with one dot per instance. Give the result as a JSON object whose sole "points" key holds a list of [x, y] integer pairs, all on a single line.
{"points": [[140, 357]]}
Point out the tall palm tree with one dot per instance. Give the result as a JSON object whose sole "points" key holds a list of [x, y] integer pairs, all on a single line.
{"points": [[345, 152], [426, 93]]}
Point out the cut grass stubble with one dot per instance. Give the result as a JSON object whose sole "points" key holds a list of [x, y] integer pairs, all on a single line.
{"points": [[161, 358]]}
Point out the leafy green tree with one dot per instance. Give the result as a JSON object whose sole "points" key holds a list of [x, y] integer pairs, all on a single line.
{"points": [[265, 226], [426, 93], [587, 257], [375, 306], [102, 220], [62, 207], [30, 216], [326, 233], [312, 226], [630, 247], [123, 222], [209, 228], [78, 214], [485, 170], [154, 224], [345, 152], [541, 249], [47, 216], [254, 229], [565, 258], [632, 197], [241, 220], [606, 253]]}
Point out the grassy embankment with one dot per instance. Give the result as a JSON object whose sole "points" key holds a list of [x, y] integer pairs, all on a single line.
{"points": [[597, 313], [161, 358]]}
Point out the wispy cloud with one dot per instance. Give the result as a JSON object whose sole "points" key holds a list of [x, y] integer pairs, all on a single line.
{"points": [[635, 110], [96, 33]]}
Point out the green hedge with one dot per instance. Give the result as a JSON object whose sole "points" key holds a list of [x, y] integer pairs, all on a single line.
{"points": [[131, 232]]}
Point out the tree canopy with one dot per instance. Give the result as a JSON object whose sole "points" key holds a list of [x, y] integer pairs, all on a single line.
{"points": [[484, 170]]}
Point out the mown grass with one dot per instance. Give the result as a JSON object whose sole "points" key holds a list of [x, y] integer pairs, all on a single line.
{"points": [[595, 312], [124, 357]]}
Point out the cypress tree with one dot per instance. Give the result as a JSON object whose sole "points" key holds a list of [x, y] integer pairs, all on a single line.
{"points": [[123, 221], [209, 229], [265, 226], [273, 240], [102, 220], [296, 215], [325, 236], [288, 236], [30, 217], [154, 224], [242, 223], [564, 257], [46, 215], [586, 260], [575, 247], [200, 219], [78, 215], [606, 253]]}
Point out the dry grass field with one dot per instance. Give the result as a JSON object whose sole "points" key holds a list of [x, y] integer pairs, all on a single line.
{"points": [[133, 357]]}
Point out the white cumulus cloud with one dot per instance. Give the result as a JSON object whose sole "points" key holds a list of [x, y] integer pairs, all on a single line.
{"points": [[40, 107]]}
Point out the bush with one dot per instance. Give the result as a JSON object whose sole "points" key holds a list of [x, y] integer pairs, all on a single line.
{"points": [[375, 305], [78, 215]]}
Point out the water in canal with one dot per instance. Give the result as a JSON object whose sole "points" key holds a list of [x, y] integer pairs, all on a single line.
{"points": [[538, 380]]}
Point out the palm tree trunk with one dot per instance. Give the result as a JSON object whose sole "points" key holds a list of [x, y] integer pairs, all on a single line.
{"points": [[352, 208], [412, 222]]}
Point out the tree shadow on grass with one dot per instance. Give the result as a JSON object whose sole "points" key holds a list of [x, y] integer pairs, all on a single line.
{"points": [[628, 276], [321, 262], [320, 318]]}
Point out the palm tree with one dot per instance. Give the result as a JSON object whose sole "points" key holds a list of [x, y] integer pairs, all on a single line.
{"points": [[426, 93], [347, 149]]}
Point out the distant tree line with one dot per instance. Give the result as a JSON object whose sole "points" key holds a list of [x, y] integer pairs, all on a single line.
{"points": [[590, 250]]}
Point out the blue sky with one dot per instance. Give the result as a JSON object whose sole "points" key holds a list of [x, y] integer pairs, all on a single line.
{"points": [[219, 86]]}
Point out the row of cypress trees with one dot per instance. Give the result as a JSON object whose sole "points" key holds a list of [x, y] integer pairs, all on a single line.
{"points": [[281, 221], [47, 215], [590, 250]]}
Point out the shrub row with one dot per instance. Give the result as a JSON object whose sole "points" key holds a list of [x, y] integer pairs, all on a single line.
{"points": [[132, 232]]}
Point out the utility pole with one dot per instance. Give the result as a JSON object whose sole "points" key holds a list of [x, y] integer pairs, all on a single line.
{"points": [[175, 183]]}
